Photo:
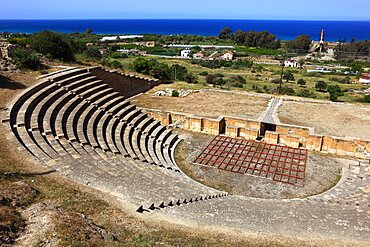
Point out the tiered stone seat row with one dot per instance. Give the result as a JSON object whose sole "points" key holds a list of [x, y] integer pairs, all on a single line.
{"points": [[78, 125]]}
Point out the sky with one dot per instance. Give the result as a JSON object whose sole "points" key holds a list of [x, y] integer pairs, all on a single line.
{"points": [[188, 9]]}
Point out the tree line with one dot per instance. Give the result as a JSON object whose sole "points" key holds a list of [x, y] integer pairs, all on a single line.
{"points": [[251, 38]]}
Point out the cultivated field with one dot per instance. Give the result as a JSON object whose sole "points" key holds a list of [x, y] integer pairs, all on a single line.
{"points": [[332, 119]]}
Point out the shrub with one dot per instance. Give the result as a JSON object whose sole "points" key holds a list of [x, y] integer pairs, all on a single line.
{"points": [[210, 79], [190, 78], [346, 80], [117, 55], [25, 58], [366, 99], [287, 91], [52, 44], [203, 73], [235, 84], [237, 81], [321, 86], [179, 72], [301, 82], [175, 93], [306, 93], [115, 64], [93, 52], [257, 89], [275, 80], [335, 91], [161, 71], [220, 81], [288, 76]]}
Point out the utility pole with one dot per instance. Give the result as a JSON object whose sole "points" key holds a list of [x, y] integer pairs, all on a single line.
{"points": [[282, 72]]}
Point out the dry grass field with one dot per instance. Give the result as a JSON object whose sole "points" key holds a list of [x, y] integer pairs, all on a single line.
{"points": [[332, 119], [205, 103]]}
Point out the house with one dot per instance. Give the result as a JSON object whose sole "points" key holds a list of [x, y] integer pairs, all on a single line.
{"points": [[198, 55], [145, 43], [185, 53], [365, 79], [228, 56], [292, 63]]}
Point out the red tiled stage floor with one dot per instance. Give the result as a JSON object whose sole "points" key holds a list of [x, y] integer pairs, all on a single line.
{"points": [[278, 163]]}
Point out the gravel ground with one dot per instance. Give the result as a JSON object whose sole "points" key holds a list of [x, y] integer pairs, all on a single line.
{"points": [[322, 172]]}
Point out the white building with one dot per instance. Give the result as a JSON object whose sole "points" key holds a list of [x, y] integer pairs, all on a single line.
{"points": [[365, 79], [185, 53], [228, 56], [114, 38], [292, 63]]}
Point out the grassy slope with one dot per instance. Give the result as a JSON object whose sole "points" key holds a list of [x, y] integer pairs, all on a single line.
{"points": [[259, 78]]}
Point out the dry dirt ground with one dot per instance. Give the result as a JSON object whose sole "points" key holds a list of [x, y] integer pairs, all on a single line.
{"points": [[332, 119], [322, 172], [39, 208], [206, 103]]}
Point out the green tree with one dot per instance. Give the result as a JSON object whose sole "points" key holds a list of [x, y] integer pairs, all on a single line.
{"points": [[239, 37], [300, 44], [357, 68], [178, 72], [115, 64], [335, 91], [161, 71], [88, 31], [210, 79], [142, 65], [25, 58], [288, 76], [52, 44], [301, 82], [366, 99], [93, 52], [321, 86], [225, 33], [191, 78]]}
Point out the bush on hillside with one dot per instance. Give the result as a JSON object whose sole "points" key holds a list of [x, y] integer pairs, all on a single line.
{"points": [[25, 58], [52, 44]]}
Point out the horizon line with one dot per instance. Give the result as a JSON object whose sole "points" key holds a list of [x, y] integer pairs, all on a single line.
{"points": [[211, 19]]}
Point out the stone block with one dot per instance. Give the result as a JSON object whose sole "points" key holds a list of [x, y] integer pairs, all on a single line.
{"points": [[271, 137], [232, 131]]}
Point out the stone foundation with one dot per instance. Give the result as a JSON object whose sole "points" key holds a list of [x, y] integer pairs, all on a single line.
{"points": [[289, 135]]}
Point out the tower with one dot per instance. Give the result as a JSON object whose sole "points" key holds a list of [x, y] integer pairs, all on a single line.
{"points": [[322, 40]]}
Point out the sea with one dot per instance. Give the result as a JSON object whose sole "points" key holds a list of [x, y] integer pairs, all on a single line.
{"points": [[285, 30]]}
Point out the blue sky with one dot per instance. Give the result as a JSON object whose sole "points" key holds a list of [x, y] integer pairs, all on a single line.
{"points": [[189, 9]]}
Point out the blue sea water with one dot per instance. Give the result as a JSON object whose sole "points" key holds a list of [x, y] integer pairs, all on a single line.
{"points": [[286, 30]]}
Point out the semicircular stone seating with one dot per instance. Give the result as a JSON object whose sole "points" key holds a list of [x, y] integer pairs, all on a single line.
{"points": [[76, 124], [79, 126]]}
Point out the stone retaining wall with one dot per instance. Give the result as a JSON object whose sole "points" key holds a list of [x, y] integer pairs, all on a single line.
{"points": [[289, 135], [125, 84]]}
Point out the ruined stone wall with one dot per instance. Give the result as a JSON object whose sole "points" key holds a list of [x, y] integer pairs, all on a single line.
{"points": [[125, 84], [289, 135]]}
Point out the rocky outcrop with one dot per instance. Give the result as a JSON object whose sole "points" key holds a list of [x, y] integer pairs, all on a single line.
{"points": [[6, 63]]}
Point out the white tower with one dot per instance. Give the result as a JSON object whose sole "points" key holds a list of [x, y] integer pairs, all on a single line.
{"points": [[322, 40]]}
